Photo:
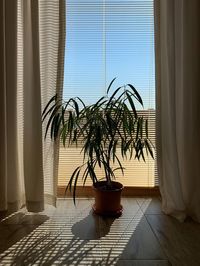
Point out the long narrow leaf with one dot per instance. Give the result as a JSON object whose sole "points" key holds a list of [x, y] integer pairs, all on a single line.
{"points": [[69, 186], [76, 107], [54, 98], [120, 165], [75, 185], [49, 111], [149, 148], [132, 104], [138, 97], [110, 85], [146, 127], [54, 113], [113, 95]]}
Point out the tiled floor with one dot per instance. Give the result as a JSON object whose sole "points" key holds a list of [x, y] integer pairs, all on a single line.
{"points": [[69, 235]]}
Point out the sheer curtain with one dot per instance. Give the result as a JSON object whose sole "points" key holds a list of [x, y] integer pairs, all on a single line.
{"points": [[177, 28], [32, 49]]}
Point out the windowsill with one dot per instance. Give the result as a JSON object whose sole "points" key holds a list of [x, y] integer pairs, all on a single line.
{"points": [[87, 191]]}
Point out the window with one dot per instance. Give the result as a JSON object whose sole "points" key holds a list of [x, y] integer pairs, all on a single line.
{"points": [[107, 39]]}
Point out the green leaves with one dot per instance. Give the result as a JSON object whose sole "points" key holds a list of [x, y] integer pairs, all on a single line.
{"points": [[136, 94], [107, 130], [54, 98], [112, 97], [131, 104], [51, 121], [75, 176], [110, 85]]}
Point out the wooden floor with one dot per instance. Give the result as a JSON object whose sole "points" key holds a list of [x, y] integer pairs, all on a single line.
{"points": [[69, 235]]}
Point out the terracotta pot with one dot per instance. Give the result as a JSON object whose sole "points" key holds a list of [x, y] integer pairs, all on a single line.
{"points": [[107, 202]]}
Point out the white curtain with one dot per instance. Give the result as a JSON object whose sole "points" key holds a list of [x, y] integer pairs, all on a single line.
{"points": [[32, 49], [177, 39]]}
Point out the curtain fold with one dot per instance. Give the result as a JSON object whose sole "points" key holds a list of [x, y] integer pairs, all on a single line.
{"points": [[177, 38], [11, 185], [52, 47], [32, 49]]}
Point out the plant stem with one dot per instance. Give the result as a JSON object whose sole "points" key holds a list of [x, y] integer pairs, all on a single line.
{"points": [[108, 172]]}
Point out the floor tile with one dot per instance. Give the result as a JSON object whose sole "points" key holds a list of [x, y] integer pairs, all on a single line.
{"points": [[142, 243], [151, 206], [180, 241], [24, 218], [130, 237], [129, 205], [65, 208], [11, 234], [143, 263], [141, 200], [46, 246], [73, 235], [130, 209], [88, 227]]}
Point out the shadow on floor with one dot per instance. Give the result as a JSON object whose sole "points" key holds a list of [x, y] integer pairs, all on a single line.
{"points": [[85, 239], [90, 227], [49, 245], [48, 249], [16, 226]]}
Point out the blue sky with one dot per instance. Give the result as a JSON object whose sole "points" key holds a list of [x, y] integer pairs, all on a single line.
{"points": [[107, 39]]}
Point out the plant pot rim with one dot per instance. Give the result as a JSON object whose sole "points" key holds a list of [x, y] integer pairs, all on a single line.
{"points": [[119, 186]]}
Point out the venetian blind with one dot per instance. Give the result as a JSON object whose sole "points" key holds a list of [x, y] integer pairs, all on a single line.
{"points": [[107, 39]]}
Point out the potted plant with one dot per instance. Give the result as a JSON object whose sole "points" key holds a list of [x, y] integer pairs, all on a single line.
{"points": [[111, 124]]}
